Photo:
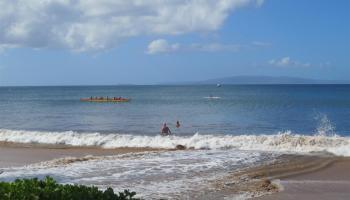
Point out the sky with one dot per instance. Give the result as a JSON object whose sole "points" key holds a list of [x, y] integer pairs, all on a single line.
{"points": [[108, 42]]}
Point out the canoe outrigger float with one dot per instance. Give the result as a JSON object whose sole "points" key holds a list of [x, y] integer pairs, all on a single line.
{"points": [[116, 100]]}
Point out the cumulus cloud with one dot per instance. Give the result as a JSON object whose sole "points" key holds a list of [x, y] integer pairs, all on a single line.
{"points": [[288, 62], [83, 25]]}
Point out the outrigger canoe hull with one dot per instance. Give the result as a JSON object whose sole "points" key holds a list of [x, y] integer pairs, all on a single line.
{"points": [[106, 100]]}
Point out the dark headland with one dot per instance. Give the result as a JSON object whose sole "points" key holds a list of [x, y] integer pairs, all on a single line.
{"points": [[260, 80]]}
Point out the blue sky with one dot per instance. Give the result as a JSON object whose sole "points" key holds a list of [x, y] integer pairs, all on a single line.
{"points": [[67, 42]]}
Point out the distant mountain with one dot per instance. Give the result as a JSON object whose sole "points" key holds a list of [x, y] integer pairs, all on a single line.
{"points": [[241, 80]]}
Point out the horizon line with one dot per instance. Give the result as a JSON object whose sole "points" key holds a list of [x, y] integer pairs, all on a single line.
{"points": [[174, 84]]}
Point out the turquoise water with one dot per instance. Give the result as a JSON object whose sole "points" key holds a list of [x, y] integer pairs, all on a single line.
{"points": [[250, 109]]}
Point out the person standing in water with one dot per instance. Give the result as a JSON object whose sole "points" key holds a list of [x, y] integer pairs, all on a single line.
{"points": [[178, 124], [165, 130]]}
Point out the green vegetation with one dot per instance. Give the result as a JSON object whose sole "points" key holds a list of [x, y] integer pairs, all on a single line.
{"points": [[49, 189]]}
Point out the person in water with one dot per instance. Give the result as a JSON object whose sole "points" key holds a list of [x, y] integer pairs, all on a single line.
{"points": [[178, 124], [165, 130]]}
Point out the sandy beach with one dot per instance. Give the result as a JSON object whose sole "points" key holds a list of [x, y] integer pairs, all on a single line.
{"points": [[288, 177]]}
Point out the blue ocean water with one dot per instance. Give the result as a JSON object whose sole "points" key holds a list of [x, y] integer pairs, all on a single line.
{"points": [[240, 109]]}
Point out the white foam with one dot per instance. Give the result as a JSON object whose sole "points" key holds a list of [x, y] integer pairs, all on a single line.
{"points": [[282, 142], [152, 175], [325, 126]]}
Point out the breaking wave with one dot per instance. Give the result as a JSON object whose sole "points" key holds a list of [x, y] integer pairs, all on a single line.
{"points": [[281, 142]]}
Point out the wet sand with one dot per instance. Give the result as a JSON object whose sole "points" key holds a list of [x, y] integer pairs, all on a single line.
{"points": [[12, 154], [289, 177], [331, 182]]}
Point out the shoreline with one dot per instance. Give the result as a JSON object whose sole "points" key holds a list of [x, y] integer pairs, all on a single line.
{"points": [[289, 176], [20, 154]]}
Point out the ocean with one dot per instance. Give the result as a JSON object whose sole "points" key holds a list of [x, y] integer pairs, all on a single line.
{"points": [[226, 128], [252, 110]]}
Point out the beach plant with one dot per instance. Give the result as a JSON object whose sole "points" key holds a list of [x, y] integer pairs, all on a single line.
{"points": [[49, 189]]}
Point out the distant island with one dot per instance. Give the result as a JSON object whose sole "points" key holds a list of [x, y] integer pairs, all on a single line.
{"points": [[251, 80]]}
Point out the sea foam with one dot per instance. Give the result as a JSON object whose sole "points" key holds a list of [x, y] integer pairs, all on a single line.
{"points": [[281, 142], [153, 175]]}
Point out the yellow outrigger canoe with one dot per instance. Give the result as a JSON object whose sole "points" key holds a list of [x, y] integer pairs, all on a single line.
{"points": [[105, 100]]}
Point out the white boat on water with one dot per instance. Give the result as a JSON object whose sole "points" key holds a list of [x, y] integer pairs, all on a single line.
{"points": [[212, 97]]}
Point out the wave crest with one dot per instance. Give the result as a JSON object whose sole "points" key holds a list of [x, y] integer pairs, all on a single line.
{"points": [[281, 142]]}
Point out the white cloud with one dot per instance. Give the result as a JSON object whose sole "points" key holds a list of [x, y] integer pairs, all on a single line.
{"points": [[288, 62], [214, 47], [83, 25], [163, 46]]}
